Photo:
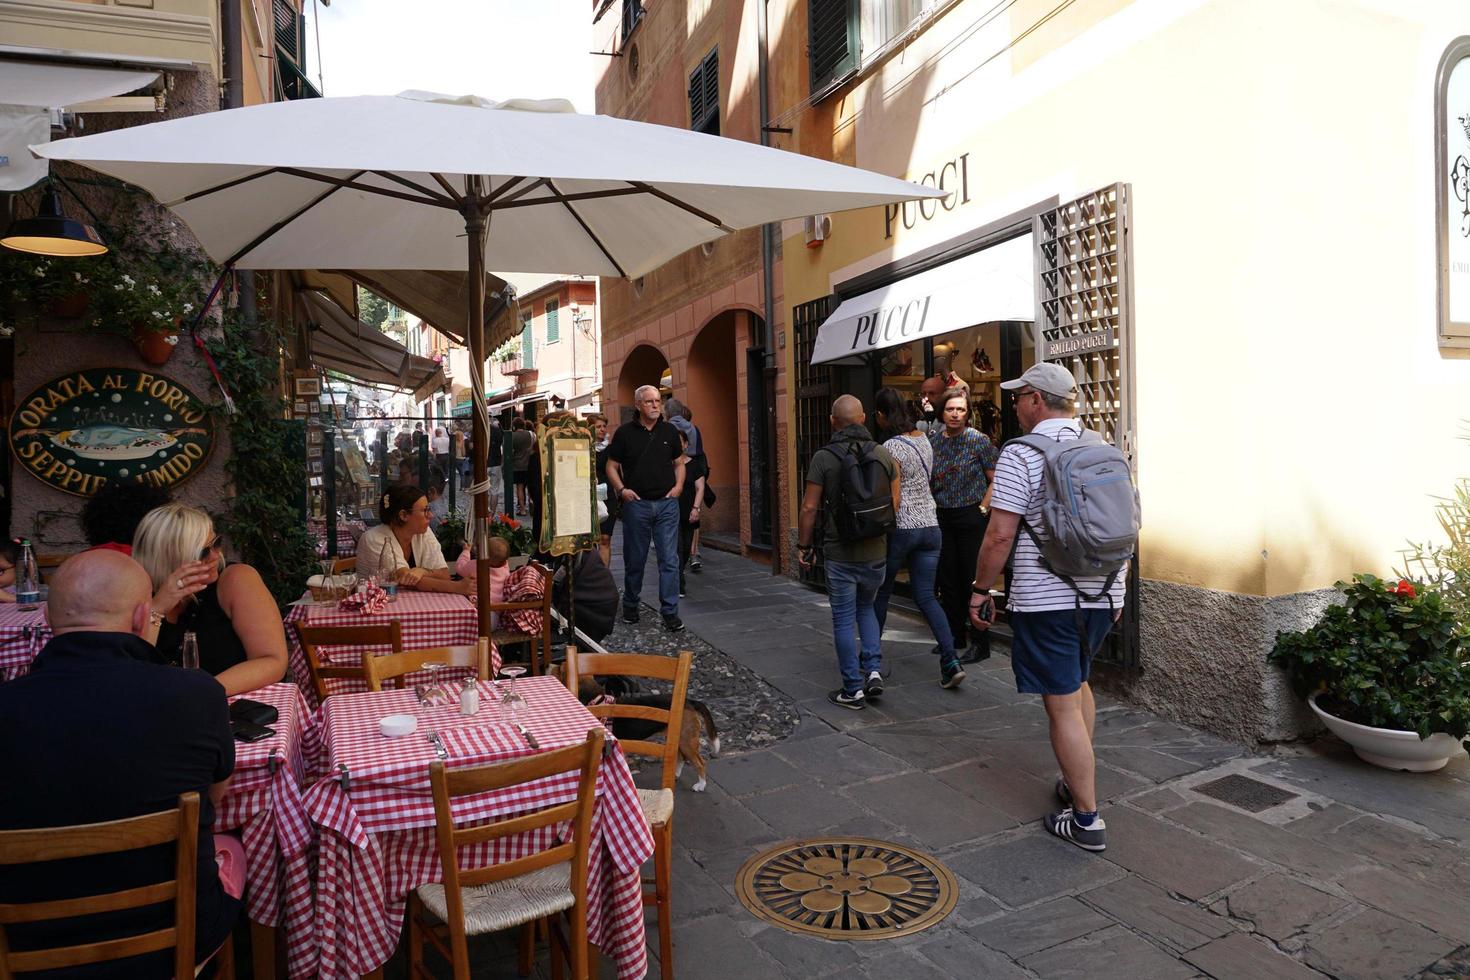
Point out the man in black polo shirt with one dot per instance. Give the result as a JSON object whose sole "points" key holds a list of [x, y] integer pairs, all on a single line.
{"points": [[98, 731], [645, 470]]}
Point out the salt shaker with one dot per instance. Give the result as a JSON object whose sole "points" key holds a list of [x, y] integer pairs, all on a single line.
{"points": [[469, 698]]}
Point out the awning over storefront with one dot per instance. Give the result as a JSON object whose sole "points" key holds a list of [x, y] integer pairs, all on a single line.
{"points": [[997, 283], [338, 342], [29, 90], [500, 406], [437, 298]]}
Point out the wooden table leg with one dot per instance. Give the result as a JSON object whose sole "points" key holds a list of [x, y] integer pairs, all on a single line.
{"points": [[263, 951]]}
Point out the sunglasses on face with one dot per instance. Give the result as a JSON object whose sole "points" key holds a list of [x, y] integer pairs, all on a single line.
{"points": [[212, 547]]}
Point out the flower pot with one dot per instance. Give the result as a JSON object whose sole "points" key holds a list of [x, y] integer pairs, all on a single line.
{"points": [[155, 347], [69, 307], [1390, 748]]}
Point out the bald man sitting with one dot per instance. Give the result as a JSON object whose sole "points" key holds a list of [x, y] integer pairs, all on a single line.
{"points": [[855, 566], [98, 730]]}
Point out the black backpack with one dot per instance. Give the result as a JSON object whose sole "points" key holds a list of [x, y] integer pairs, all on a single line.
{"points": [[863, 505]]}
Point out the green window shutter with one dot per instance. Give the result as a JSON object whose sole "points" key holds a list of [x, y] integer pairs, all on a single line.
{"points": [[553, 327], [832, 41], [704, 95], [528, 343]]}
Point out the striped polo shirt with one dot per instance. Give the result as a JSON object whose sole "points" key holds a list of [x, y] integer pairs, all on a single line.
{"points": [[1018, 489]]}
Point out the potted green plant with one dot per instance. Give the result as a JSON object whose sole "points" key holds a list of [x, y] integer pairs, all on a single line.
{"points": [[149, 305], [517, 535], [1388, 671]]}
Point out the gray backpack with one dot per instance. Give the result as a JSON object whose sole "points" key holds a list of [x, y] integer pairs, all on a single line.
{"points": [[1090, 510]]}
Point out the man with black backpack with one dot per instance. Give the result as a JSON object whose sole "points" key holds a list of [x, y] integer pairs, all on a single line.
{"points": [[858, 481], [1064, 504]]}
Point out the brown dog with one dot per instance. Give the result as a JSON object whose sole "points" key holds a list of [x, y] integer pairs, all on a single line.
{"points": [[690, 743]]}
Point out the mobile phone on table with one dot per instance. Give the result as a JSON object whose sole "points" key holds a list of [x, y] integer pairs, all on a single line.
{"points": [[249, 731]]}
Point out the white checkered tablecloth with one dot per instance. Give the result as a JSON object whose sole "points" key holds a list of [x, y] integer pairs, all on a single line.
{"points": [[429, 619], [22, 635], [264, 803], [375, 815]]}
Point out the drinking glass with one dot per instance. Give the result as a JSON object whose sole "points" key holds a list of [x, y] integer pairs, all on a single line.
{"points": [[433, 693], [512, 704]]}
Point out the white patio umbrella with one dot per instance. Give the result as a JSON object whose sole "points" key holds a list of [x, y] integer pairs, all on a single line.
{"points": [[395, 182]]}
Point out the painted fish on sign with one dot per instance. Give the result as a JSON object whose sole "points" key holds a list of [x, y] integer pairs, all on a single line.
{"points": [[79, 431]]}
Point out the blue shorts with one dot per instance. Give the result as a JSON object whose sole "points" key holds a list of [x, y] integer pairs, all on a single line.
{"points": [[1047, 656]]}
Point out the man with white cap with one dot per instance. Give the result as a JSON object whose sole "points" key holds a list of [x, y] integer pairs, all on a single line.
{"points": [[1058, 623]]}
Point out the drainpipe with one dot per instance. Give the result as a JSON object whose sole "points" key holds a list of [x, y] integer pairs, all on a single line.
{"points": [[230, 27], [768, 259]]}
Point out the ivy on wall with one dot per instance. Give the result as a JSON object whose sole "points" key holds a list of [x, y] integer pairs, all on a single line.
{"points": [[266, 465]]}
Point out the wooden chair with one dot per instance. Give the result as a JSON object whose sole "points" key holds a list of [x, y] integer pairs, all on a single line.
{"points": [[539, 644], [313, 638], [658, 804], [179, 827], [341, 565], [522, 892], [395, 666]]}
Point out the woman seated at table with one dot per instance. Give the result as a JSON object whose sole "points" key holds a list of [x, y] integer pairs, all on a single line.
{"points": [[402, 547], [228, 608]]}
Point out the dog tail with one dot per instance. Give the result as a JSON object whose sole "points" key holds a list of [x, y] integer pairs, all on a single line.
{"points": [[711, 730]]}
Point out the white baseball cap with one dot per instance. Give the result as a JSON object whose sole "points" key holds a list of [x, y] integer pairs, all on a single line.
{"points": [[1045, 376]]}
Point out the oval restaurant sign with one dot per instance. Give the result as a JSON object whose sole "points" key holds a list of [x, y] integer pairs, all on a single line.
{"points": [[80, 430]]}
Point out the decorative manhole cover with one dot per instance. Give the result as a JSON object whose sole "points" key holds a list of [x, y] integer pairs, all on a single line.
{"points": [[1248, 794], [847, 888]]}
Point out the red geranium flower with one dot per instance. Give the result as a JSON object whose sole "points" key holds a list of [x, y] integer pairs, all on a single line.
{"points": [[512, 523], [1405, 588]]}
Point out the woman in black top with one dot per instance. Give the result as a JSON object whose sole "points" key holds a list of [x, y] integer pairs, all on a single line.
{"points": [[241, 639]]}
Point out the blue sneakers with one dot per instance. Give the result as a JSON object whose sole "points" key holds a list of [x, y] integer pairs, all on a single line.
{"points": [[1064, 825]]}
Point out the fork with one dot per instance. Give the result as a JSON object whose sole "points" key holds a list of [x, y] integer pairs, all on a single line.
{"points": [[438, 743]]}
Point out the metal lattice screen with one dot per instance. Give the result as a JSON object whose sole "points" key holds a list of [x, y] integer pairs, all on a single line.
{"points": [[813, 403], [1085, 323]]}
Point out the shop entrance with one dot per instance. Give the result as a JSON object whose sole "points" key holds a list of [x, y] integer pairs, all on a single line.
{"points": [[711, 391]]}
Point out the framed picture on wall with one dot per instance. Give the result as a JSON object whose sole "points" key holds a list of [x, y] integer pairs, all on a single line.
{"points": [[308, 386], [313, 437]]}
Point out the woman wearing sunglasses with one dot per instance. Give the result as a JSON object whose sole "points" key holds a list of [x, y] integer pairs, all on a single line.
{"points": [[241, 639]]}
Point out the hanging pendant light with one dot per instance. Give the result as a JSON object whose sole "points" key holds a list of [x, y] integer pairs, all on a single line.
{"points": [[51, 232]]}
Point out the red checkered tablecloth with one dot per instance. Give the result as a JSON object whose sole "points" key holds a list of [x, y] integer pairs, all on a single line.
{"points": [[428, 619], [376, 819], [22, 635], [347, 534], [264, 803]]}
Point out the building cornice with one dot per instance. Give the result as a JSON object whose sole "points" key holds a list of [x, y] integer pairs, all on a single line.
{"points": [[69, 29]]}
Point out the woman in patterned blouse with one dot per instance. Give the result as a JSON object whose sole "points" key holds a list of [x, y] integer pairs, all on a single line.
{"points": [[914, 543], [964, 465]]}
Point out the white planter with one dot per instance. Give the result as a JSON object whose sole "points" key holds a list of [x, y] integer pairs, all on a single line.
{"points": [[516, 561], [1390, 748]]}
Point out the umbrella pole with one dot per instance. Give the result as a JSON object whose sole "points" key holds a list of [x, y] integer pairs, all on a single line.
{"points": [[474, 223]]}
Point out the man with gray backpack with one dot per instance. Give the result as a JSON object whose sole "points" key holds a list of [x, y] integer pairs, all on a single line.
{"points": [[857, 481], [1065, 506]]}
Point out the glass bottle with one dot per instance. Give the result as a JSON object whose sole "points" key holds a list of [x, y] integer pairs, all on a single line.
{"points": [[189, 651], [27, 579]]}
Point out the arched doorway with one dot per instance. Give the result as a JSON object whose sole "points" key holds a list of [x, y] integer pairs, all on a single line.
{"points": [[644, 365], [712, 393]]}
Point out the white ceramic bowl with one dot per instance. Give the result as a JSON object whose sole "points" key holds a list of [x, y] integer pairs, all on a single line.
{"points": [[395, 726], [1390, 748]]}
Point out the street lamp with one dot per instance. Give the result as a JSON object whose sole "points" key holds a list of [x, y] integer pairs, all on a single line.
{"points": [[51, 232]]}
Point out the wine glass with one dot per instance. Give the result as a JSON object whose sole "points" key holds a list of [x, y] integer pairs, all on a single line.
{"points": [[512, 703], [433, 692]]}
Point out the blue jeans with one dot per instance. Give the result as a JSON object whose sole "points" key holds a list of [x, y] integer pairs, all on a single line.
{"points": [[656, 520], [917, 548], [852, 588]]}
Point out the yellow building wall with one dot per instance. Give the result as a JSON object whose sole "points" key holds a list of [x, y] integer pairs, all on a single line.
{"points": [[1294, 415]]}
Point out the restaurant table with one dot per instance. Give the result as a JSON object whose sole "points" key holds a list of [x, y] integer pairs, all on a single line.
{"points": [[347, 534], [264, 803], [375, 816], [22, 635], [428, 619]]}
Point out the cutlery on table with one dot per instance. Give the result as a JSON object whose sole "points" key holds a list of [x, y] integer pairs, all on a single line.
{"points": [[530, 739]]}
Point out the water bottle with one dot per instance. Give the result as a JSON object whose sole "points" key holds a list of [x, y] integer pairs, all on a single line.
{"points": [[27, 579], [189, 651]]}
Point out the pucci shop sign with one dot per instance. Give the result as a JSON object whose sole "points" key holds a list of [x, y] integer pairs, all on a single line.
{"points": [[79, 431], [953, 176]]}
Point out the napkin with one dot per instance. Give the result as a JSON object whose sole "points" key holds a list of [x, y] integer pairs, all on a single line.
{"points": [[477, 743], [368, 599]]}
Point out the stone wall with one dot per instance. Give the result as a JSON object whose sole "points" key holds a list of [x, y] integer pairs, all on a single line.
{"points": [[1204, 660], [50, 348]]}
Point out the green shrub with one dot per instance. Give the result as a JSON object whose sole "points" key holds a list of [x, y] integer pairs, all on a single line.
{"points": [[1393, 655]]}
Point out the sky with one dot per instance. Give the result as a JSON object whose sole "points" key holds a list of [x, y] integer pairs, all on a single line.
{"points": [[498, 49]]}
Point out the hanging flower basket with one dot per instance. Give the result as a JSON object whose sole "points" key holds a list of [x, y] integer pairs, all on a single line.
{"points": [[155, 346]]}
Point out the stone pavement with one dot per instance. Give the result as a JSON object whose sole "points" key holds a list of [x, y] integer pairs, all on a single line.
{"points": [[1362, 874]]}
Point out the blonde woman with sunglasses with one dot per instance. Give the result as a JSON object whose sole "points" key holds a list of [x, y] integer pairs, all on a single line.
{"points": [[241, 639]]}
